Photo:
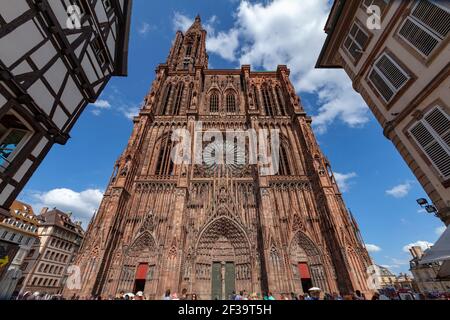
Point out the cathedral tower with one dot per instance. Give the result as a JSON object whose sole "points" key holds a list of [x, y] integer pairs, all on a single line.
{"points": [[215, 228]]}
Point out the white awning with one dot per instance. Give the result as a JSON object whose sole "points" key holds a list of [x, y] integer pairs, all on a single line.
{"points": [[440, 251]]}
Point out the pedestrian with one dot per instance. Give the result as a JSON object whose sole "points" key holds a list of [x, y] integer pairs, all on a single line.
{"points": [[358, 295], [270, 296], [175, 296], [194, 297], [167, 295], [376, 296], [184, 294]]}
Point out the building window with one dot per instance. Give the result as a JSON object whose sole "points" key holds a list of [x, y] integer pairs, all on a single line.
{"points": [[164, 165], [281, 101], [255, 93], [426, 26], [432, 135], [165, 102], [189, 50], [5, 234], [268, 101], [356, 42], [284, 168], [99, 52], [179, 99], [214, 103], [14, 134], [231, 103], [11, 238], [388, 77]]}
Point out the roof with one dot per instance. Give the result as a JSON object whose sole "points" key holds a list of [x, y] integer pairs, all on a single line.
{"points": [[61, 219], [333, 19]]}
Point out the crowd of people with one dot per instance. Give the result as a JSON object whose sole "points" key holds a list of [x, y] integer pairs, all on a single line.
{"points": [[313, 294]]}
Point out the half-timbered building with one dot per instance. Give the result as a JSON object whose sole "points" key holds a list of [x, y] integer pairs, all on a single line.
{"points": [[55, 58]]}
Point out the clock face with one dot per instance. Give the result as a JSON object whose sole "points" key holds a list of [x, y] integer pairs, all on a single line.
{"points": [[224, 154]]}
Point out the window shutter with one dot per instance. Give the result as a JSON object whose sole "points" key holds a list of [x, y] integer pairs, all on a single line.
{"points": [[432, 135], [417, 36], [387, 77], [440, 122], [392, 72], [435, 17], [381, 86], [426, 27]]}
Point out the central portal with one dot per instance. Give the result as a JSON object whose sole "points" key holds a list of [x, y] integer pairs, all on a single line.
{"points": [[223, 280]]}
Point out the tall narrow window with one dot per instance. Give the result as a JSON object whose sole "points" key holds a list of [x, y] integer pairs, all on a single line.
{"points": [[268, 101], [427, 25], [14, 134], [281, 101], [284, 168], [231, 103], [432, 134], [356, 42], [388, 77], [214, 103], [179, 99], [165, 102], [255, 93], [189, 50], [191, 91], [164, 166]]}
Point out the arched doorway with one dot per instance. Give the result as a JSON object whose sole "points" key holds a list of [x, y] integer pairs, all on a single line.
{"points": [[223, 261], [306, 264], [139, 268]]}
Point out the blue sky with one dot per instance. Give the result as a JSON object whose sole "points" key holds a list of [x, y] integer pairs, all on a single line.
{"points": [[379, 187]]}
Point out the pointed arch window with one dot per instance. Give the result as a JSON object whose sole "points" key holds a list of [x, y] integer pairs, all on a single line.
{"points": [[189, 50], [214, 103], [231, 103], [179, 99], [191, 91], [164, 166], [268, 101], [281, 101], [284, 168], [166, 99], [255, 93]]}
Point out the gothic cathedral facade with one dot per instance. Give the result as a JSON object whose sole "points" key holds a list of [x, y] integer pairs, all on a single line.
{"points": [[209, 231]]}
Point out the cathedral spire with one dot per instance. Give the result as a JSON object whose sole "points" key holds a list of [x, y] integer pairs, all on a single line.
{"points": [[189, 49]]}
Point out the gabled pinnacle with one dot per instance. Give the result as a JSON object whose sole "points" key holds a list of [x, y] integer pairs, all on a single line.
{"points": [[197, 25]]}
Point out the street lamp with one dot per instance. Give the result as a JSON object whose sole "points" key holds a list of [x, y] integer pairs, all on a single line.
{"points": [[423, 203]]}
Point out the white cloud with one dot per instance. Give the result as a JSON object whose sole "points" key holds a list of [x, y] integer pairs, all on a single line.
{"points": [[440, 230], [423, 244], [181, 22], [400, 191], [291, 32], [372, 248], [144, 28], [99, 106], [102, 104], [81, 204], [343, 180], [288, 32]]}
